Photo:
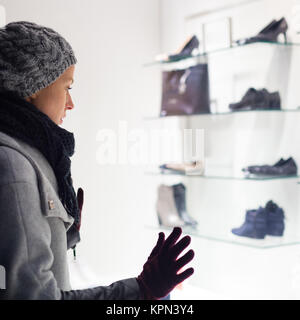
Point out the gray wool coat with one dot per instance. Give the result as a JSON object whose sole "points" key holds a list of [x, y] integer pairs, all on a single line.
{"points": [[33, 225]]}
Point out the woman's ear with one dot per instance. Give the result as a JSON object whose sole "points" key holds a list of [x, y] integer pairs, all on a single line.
{"points": [[31, 98]]}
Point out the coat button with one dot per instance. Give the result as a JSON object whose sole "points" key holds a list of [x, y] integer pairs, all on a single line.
{"points": [[51, 204]]}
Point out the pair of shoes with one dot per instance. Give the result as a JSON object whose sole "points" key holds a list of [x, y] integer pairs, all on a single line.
{"points": [[282, 167], [188, 168], [257, 100], [261, 222], [171, 206], [186, 50], [269, 33]]}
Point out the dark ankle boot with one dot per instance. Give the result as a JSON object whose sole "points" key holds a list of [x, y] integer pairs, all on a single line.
{"points": [[275, 221], [255, 225]]}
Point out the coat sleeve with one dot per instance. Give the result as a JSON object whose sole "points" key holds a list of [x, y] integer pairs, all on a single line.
{"points": [[25, 252], [127, 289]]}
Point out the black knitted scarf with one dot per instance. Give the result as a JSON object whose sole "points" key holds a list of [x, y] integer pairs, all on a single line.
{"points": [[21, 119]]}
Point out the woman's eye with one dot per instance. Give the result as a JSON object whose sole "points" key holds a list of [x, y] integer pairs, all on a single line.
{"points": [[69, 88]]}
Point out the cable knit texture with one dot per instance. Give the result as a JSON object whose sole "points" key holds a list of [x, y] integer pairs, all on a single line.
{"points": [[31, 57], [21, 119]]}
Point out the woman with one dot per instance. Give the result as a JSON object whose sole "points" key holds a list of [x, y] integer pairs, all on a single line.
{"points": [[40, 214]]}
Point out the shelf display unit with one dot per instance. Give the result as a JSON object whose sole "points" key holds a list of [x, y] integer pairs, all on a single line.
{"points": [[277, 120]]}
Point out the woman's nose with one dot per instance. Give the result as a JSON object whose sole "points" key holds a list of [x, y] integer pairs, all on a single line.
{"points": [[69, 102]]}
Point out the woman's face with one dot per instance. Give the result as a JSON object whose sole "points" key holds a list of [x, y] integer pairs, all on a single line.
{"points": [[55, 99]]}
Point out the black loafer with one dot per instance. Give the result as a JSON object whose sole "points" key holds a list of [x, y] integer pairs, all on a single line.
{"points": [[283, 167], [257, 100]]}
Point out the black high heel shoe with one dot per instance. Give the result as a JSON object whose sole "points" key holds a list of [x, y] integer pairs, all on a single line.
{"points": [[184, 51], [268, 34]]}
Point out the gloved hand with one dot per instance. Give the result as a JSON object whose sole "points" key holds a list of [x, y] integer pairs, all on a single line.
{"points": [[159, 276]]}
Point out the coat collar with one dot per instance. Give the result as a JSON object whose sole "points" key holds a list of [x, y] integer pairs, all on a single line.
{"points": [[50, 203]]}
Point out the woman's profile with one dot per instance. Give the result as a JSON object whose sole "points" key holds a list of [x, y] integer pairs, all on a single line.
{"points": [[40, 212]]}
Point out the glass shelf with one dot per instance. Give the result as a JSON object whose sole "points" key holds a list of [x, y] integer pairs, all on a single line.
{"points": [[224, 113], [225, 49], [222, 174], [226, 236]]}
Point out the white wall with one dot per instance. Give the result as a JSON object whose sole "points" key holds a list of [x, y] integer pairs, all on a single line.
{"points": [[112, 39], [2, 16], [240, 140]]}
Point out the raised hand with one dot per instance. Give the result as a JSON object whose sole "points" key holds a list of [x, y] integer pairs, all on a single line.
{"points": [[160, 272]]}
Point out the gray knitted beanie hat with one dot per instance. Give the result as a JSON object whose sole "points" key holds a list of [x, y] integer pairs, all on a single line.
{"points": [[31, 57]]}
